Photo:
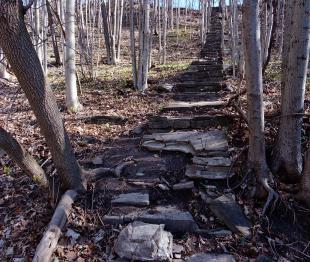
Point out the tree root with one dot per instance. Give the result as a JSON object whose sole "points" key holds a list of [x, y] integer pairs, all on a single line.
{"points": [[273, 196]]}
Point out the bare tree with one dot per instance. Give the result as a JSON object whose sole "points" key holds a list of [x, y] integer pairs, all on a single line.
{"points": [[254, 85], [16, 44], [72, 100], [287, 158]]}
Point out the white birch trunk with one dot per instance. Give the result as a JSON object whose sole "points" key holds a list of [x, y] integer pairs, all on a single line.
{"points": [[254, 84], [72, 100], [287, 155]]}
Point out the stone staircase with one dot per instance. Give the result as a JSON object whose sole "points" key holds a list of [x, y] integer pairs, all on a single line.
{"points": [[184, 151]]}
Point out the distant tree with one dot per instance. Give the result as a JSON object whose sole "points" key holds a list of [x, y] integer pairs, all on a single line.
{"points": [[72, 100]]}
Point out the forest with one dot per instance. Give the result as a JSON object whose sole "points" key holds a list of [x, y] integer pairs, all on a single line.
{"points": [[154, 130]]}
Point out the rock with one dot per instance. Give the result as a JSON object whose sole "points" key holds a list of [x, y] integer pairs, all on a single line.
{"points": [[180, 105], [263, 258], [184, 185], [72, 235], [209, 257], [205, 172], [174, 219], [165, 87], [193, 142], [134, 199], [113, 220], [138, 130], [177, 249], [231, 214], [144, 242], [220, 232], [97, 161], [212, 161]]}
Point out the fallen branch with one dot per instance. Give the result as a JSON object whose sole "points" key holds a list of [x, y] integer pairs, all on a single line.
{"points": [[51, 236]]}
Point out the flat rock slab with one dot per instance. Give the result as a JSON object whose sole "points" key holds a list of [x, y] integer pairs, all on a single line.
{"points": [[186, 122], [180, 105], [132, 199], [192, 142], [144, 242], [196, 96], [184, 185], [207, 172], [174, 219], [212, 161], [209, 257], [231, 214]]}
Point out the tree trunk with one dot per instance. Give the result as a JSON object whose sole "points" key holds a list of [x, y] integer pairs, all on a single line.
{"points": [[22, 158], [3, 72], [287, 159], [144, 46], [133, 45], [17, 46], [51, 25], [72, 100], [254, 84]]}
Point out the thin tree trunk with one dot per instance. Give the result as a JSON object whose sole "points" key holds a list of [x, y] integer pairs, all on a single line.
{"points": [[72, 100], [254, 84], [133, 45], [144, 46], [17, 46], [51, 25]]}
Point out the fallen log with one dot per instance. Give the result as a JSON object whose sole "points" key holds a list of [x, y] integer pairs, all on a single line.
{"points": [[51, 236]]}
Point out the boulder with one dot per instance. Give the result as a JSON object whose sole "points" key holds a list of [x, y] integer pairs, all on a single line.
{"points": [[144, 242]]}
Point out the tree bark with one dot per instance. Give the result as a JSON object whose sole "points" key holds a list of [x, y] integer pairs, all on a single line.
{"points": [[17, 46], [133, 45], [22, 158], [53, 34], [287, 158], [254, 84], [72, 100]]}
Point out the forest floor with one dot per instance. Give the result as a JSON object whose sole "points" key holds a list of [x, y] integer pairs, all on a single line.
{"points": [[25, 209]]}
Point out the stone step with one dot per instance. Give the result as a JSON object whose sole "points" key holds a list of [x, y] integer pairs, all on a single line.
{"points": [[196, 96], [181, 105], [208, 172], [196, 87], [187, 122], [194, 75], [199, 79], [174, 219], [205, 62], [191, 142], [131, 199]]}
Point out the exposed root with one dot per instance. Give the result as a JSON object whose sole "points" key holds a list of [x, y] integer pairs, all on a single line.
{"points": [[273, 196]]}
